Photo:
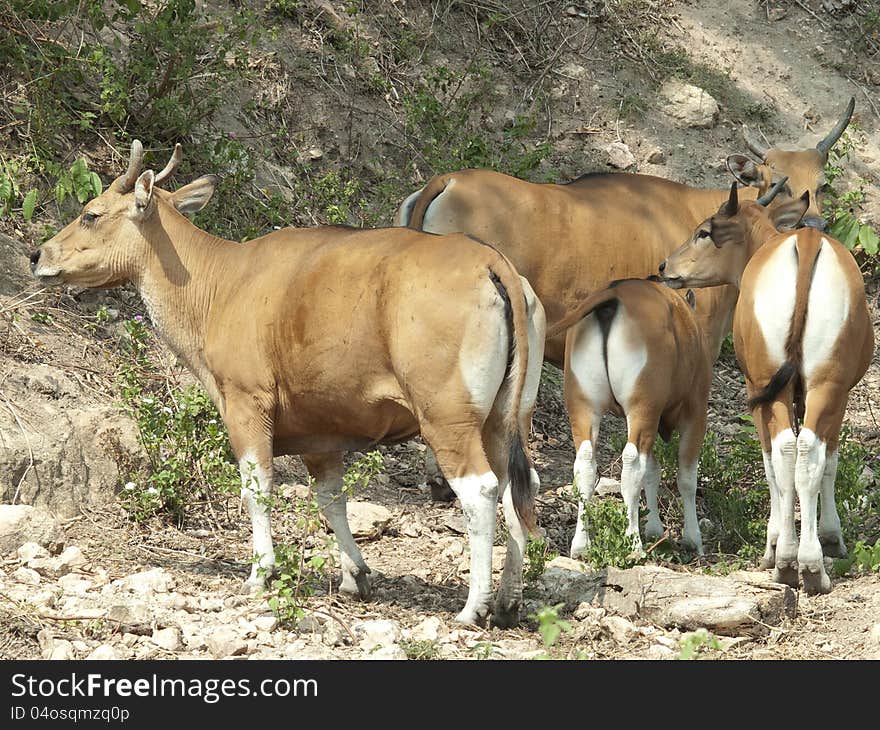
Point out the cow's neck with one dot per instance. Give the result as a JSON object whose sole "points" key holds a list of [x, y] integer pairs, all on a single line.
{"points": [[178, 285]]}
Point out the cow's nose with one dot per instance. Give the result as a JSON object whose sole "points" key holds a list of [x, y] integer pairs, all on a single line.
{"points": [[35, 257], [815, 221], [662, 266]]}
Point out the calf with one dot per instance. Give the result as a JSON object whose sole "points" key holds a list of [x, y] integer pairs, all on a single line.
{"points": [[636, 349], [321, 341], [803, 339]]}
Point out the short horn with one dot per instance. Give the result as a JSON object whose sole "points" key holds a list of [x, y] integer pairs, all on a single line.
{"points": [[758, 148], [176, 157], [125, 183], [767, 197], [733, 201], [826, 144]]}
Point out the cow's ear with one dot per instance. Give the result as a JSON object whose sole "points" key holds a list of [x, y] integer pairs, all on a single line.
{"points": [[143, 193], [746, 171], [193, 197]]}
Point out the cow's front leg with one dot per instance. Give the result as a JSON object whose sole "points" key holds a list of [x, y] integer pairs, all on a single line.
{"points": [[250, 433]]}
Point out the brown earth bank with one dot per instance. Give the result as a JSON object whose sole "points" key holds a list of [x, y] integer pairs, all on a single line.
{"points": [[588, 77]]}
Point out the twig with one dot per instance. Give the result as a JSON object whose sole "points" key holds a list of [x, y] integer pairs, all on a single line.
{"points": [[821, 20], [338, 620]]}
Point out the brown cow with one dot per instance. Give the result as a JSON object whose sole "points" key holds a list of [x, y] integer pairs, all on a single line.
{"points": [[324, 340], [636, 349], [803, 338]]}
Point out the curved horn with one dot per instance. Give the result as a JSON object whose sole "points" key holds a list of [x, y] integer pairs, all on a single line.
{"points": [[767, 197], [733, 201], [826, 144], [758, 148], [176, 157], [125, 183]]}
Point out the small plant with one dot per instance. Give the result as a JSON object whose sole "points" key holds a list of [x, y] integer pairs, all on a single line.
{"points": [[294, 581], [863, 559], [422, 649], [362, 471], [550, 626], [695, 644], [78, 182], [538, 554], [484, 649], [182, 435], [609, 544]]}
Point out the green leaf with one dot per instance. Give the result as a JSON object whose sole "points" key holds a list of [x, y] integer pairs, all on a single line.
{"points": [[846, 230], [869, 240], [27, 207], [97, 185]]}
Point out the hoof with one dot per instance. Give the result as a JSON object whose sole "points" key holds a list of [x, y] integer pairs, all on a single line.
{"points": [[505, 615], [833, 546], [815, 581], [252, 587], [471, 618], [441, 491], [767, 562], [787, 573], [357, 585]]}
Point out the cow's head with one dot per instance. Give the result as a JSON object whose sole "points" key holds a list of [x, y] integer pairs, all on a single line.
{"points": [[720, 248], [109, 242], [805, 169]]}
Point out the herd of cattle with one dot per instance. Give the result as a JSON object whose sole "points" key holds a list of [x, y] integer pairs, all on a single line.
{"points": [[324, 340]]}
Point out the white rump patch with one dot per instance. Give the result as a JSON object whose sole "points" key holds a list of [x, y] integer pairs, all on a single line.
{"points": [[437, 218], [827, 310], [587, 363], [775, 290], [627, 356]]}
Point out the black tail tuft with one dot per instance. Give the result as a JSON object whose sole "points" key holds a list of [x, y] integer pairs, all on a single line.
{"points": [[779, 380], [519, 473]]}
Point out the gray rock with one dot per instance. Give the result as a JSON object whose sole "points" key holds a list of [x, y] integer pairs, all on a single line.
{"points": [[225, 642], [386, 652], [688, 104], [75, 584], [431, 629], [606, 486], [21, 523], [72, 557], [169, 639], [28, 576], [570, 581], [621, 630], [156, 580], [376, 633], [74, 457], [367, 521], [574, 71], [104, 652], [133, 613], [31, 550], [619, 155]]}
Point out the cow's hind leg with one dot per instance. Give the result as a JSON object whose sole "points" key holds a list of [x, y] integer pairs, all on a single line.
{"points": [[327, 471], [641, 433], [461, 457]]}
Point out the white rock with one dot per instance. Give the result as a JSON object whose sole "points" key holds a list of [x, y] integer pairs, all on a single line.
{"points": [[689, 104], [31, 550], [266, 623], [874, 635], [619, 155], [74, 584], [134, 612], [224, 641], [104, 652], [27, 576], [621, 630], [21, 523], [375, 633], [454, 549], [367, 520], [607, 485], [193, 636], [157, 580], [49, 567], [168, 638], [431, 629], [62, 650], [658, 651], [72, 557]]}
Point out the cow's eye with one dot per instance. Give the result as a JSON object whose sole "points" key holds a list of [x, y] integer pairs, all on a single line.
{"points": [[89, 217], [703, 233]]}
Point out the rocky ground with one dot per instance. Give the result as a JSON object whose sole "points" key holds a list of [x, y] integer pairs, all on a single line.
{"points": [[89, 582]]}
